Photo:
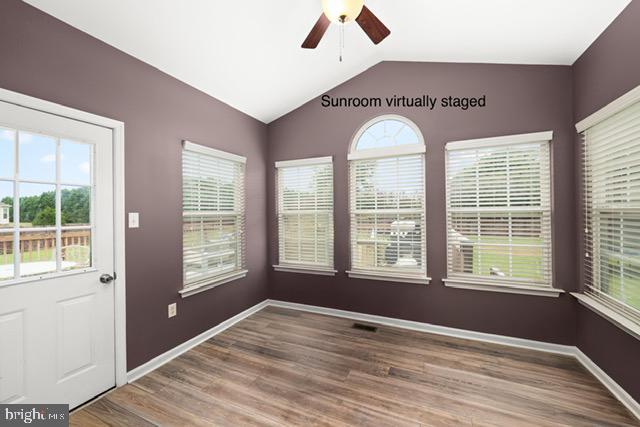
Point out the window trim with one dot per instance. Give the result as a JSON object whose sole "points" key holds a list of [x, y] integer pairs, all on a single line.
{"points": [[304, 269], [212, 282], [309, 161], [376, 153], [197, 148], [614, 107], [379, 153], [500, 141], [355, 274], [615, 312], [301, 267], [502, 286], [506, 285], [619, 320]]}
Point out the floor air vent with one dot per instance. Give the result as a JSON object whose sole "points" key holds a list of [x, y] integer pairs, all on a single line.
{"points": [[364, 327]]}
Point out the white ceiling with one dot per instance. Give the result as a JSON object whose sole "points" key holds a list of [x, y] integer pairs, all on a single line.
{"points": [[247, 53]]}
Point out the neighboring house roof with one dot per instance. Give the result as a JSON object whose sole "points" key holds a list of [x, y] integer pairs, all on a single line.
{"points": [[4, 205]]}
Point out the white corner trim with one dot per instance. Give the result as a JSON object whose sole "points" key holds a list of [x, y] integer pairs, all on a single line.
{"points": [[389, 278], [617, 319], [304, 162], [525, 138], [503, 287], [160, 360], [610, 109], [625, 398], [197, 148], [305, 270], [196, 289]]}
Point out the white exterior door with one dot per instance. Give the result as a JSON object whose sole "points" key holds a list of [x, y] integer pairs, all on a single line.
{"points": [[56, 317]]}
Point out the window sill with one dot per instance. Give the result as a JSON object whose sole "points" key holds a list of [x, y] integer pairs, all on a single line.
{"points": [[389, 278], [509, 288], [305, 270], [193, 290], [612, 316]]}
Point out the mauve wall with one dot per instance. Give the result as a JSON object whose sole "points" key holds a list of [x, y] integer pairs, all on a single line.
{"points": [[48, 59], [607, 70], [520, 99]]}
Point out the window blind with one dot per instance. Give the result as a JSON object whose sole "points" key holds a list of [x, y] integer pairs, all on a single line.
{"points": [[611, 160], [213, 215], [305, 213], [499, 211], [388, 230]]}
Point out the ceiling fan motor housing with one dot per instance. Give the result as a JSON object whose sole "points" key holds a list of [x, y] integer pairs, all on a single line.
{"points": [[342, 11]]}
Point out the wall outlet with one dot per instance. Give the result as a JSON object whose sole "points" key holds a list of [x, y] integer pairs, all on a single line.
{"points": [[172, 310], [134, 220]]}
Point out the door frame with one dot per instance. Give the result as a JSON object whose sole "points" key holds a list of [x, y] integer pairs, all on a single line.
{"points": [[117, 128]]}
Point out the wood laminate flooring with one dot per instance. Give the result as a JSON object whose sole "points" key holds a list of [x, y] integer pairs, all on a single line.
{"points": [[285, 367]]}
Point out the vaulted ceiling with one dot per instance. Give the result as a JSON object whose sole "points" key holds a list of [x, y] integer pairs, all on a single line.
{"points": [[247, 53]]}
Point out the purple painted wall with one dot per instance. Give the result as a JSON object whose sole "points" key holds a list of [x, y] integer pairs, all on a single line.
{"points": [[48, 59], [53, 61], [520, 99], [607, 70]]}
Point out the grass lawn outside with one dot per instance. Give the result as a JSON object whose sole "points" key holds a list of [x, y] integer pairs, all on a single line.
{"points": [[525, 262]]}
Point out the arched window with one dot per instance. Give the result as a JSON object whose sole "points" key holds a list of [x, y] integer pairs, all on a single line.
{"points": [[387, 207]]}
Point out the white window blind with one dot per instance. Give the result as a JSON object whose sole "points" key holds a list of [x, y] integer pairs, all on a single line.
{"points": [[213, 215], [387, 204], [499, 211], [611, 155], [305, 213]]}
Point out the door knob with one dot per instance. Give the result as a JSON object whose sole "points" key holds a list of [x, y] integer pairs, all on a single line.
{"points": [[106, 278]]}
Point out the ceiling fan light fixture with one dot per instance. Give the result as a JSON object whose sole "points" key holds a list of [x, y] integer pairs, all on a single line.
{"points": [[342, 11]]}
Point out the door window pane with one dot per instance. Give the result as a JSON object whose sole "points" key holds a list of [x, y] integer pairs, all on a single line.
{"points": [[76, 205], [6, 254], [37, 157], [7, 148], [37, 252], [54, 188], [76, 162], [76, 249], [6, 204], [37, 205]]}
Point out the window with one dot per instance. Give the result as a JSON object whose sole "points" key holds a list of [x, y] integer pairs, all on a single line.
{"points": [[305, 215], [387, 209], [47, 195], [213, 217], [612, 212], [499, 212]]}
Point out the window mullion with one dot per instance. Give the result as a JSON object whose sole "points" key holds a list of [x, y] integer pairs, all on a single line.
{"points": [[16, 208], [58, 202]]}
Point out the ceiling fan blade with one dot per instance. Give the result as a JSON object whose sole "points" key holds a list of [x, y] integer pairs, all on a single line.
{"points": [[316, 33], [372, 26]]}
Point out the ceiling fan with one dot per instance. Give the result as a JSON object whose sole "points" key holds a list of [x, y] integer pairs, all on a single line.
{"points": [[342, 12]]}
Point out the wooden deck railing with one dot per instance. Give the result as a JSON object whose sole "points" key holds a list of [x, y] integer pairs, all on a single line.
{"points": [[37, 246]]}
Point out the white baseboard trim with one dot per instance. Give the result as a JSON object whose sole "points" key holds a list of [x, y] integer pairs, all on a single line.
{"points": [[567, 350], [160, 360], [625, 398], [430, 328]]}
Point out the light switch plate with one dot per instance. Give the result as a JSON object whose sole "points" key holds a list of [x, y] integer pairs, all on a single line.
{"points": [[172, 310], [134, 220]]}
